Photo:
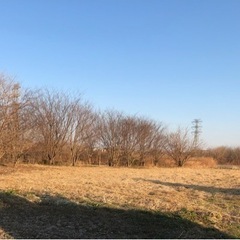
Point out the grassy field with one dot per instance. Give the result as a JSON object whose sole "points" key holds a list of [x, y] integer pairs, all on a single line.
{"points": [[101, 202]]}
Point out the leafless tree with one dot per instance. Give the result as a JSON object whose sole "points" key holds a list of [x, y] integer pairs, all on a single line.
{"points": [[83, 131], [150, 134], [52, 116], [225, 155], [9, 96], [145, 139], [23, 127], [179, 146], [129, 139], [14, 123], [157, 148], [110, 137]]}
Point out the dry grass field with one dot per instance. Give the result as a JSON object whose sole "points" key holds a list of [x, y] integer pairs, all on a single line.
{"points": [[101, 202]]}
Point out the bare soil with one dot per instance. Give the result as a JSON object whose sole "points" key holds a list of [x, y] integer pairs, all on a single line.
{"points": [[101, 202]]}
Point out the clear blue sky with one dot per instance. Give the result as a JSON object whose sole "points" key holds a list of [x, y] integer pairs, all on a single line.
{"points": [[170, 60]]}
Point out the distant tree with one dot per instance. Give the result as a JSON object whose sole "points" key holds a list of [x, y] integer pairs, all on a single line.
{"points": [[225, 155], [14, 123], [9, 107], [52, 117], [129, 139], [149, 140], [23, 128], [237, 155], [179, 146], [110, 135], [157, 149], [83, 131]]}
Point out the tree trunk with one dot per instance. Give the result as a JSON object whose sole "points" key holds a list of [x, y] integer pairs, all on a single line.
{"points": [[180, 163]]}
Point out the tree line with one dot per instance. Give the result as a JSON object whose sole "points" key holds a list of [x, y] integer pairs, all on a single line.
{"points": [[50, 127]]}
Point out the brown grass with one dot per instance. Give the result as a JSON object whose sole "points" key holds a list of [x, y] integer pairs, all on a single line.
{"points": [[209, 197], [201, 162]]}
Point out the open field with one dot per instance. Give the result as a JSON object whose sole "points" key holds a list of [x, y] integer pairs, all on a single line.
{"points": [[100, 202]]}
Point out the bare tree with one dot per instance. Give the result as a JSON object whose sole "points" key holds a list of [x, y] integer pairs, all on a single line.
{"points": [[83, 131], [14, 123], [52, 116], [225, 155], [129, 139], [157, 148], [92, 136], [145, 138], [23, 127], [150, 134], [9, 96], [110, 137], [179, 146]]}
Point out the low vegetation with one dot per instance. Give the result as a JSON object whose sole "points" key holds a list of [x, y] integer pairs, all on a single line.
{"points": [[102, 202]]}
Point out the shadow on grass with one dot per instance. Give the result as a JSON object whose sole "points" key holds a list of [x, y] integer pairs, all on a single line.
{"points": [[57, 217], [232, 191]]}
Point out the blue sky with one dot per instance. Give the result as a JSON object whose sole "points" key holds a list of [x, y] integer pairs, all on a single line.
{"points": [[170, 60]]}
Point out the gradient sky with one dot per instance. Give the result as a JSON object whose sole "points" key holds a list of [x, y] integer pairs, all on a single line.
{"points": [[169, 60]]}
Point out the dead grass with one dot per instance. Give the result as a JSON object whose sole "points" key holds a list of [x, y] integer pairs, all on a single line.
{"points": [[201, 162], [209, 197]]}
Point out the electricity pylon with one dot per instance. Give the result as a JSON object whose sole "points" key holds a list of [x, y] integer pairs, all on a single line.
{"points": [[196, 131]]}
